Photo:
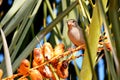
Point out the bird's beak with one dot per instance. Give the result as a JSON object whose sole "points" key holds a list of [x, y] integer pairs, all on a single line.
{"points": [[69, 25]]}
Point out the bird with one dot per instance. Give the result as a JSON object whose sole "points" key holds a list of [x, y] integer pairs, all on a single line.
{"points": [[75, 32]]}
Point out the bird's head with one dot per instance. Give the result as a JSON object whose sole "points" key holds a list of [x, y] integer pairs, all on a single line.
{"points": [[72, 23]]}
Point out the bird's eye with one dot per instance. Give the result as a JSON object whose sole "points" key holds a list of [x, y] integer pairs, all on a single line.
{"points": [[73, 21]]}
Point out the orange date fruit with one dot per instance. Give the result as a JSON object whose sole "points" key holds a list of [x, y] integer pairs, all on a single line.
{"points": [[23, 78], [47, 51], [24, 67], [38, 55], [62, 69], [59, 49], [45, 71], [35, 75], [1, 73]]}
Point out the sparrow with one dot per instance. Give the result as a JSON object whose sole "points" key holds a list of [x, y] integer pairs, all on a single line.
{"points": [[75, 32]]}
